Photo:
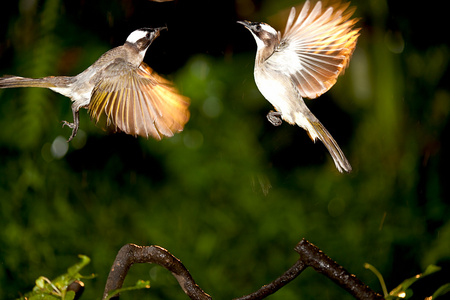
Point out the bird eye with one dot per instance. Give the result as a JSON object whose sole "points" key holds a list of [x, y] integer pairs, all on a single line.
{"points": [[147, 35], [258, 27]]}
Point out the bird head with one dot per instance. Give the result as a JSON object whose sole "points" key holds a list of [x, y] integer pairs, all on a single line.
{"points": [[265, 35], [142, 38]]}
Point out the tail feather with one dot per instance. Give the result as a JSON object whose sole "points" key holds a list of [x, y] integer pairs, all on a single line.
{"points": [[16, 81], [316, 131], [336, 153]]}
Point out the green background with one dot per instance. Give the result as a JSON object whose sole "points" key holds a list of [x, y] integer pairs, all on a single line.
{"points": [[231, 195]]}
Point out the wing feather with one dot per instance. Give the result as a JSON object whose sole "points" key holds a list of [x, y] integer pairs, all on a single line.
{"points": [[323, 39], [139, 102]]}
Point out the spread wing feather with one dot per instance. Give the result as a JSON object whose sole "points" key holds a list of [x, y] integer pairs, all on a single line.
{"points": [[138, 102], [323, 41]]}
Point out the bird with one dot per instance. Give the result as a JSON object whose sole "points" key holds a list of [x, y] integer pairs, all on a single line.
{"points": [[304, 62], [120, 86]]}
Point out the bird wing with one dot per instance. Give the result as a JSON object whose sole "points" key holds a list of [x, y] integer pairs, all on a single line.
{"points": [[138, 101], [322, 40]]}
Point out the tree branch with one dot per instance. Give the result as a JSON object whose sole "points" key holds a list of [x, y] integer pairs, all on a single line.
{"points": [[319, 261], [310, 256], [277, 284], [131, 254]]}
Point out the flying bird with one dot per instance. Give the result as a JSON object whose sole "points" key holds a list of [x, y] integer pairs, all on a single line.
{"points": [[304, 62], [122, 87]]}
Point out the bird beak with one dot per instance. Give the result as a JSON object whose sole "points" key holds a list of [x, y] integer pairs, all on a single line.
{"points": [[158, 30], [245, 23]]}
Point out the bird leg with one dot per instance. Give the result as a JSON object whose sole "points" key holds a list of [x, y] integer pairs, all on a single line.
{"points": [[74, 125], [274, 117]]}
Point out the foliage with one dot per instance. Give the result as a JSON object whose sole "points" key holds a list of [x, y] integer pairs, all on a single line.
{"points": [[403, 290], [57, 289], [46, 289]]}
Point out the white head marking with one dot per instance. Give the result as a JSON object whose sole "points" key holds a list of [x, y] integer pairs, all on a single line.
{"points": [[268, 28], [136, 35], [265, 32]]}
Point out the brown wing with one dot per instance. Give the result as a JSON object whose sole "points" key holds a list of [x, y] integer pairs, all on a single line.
{"points": [[323, 39], [139, 102]]}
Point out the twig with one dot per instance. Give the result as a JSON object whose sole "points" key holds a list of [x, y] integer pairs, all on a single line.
{"points": [[277, 284], [319, 261]]}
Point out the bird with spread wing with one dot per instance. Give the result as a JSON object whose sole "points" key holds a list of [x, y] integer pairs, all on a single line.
{"points": [[120, 86], [304, 62]]}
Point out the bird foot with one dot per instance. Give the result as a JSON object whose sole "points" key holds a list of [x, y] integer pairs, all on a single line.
{"points": [[74, 127], [274, 117]]}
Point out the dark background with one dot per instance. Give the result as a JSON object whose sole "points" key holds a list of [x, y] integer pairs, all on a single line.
{"points": [[231, 195]]}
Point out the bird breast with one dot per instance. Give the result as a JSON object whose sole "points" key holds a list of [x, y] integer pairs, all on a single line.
{"points": [[278, 89]]}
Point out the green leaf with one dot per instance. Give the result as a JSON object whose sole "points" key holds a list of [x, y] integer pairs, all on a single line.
{"points": [[70, 295], [75, 269], [42, 297], [141, 284], [401, 291], [40, 282], [431, 269], [72, 274], [441, 291], [46, 289]]}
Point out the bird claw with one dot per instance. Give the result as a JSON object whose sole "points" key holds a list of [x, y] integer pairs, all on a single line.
{"points": [[274, 118], [74, 129], [68, 124]]}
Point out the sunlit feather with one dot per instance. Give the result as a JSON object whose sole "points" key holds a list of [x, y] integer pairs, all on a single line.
{"points": [[140, 102], [324, 41]]}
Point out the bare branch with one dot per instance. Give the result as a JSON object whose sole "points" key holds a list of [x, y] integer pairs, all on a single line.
{"points": [[277, 284], [319, 261], [310, 256], [131, 254]]}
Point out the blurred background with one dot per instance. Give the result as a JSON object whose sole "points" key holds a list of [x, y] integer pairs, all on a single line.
{"points": [[231, 195]]}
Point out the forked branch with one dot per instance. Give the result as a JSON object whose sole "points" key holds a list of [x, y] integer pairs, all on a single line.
{"points": [[310, 256]]}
